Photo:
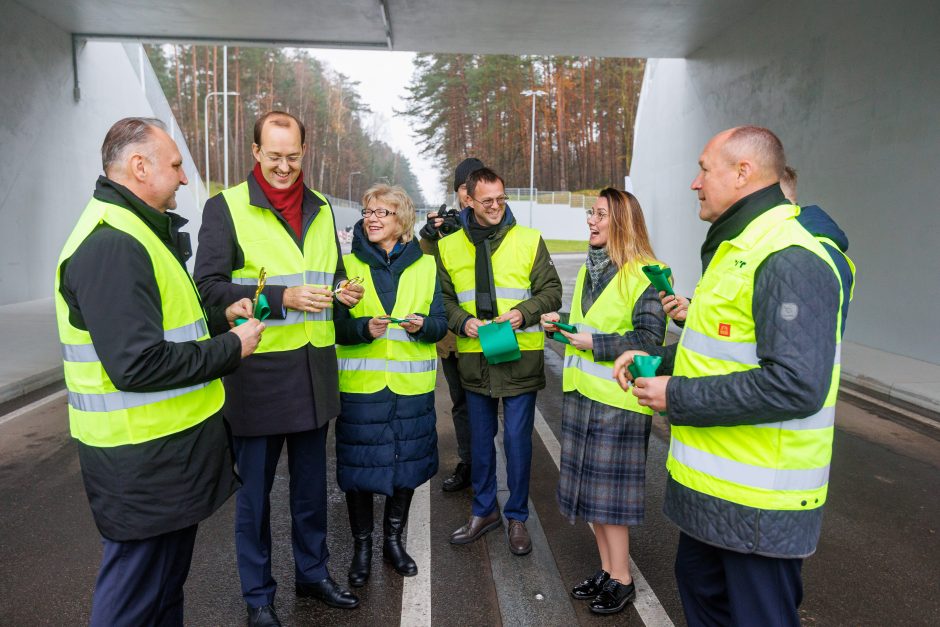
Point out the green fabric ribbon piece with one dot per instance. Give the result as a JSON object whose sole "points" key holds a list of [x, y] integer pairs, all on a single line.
{"points": [[659, 277], [645, 365], [558, 337], [499, 342], [262, 311]]}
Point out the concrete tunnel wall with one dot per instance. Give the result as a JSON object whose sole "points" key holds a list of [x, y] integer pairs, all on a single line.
{"points": [[51, 144], [852, 89]]}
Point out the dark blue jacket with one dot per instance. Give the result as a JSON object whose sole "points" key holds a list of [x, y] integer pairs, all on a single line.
{"points": [[386, 440], [820, 224]]}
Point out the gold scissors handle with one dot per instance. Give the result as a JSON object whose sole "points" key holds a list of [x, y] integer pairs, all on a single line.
{"points": [[262, 275], [356, 280]]}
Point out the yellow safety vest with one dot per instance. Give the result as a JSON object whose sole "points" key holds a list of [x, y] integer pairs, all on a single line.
{"points": [[396, 360], [772, 466], [266, 244], [99, 414], [512, 266], [612, 312]]}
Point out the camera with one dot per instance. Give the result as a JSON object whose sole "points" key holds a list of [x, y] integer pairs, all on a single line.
{"points": [[450, 224]]}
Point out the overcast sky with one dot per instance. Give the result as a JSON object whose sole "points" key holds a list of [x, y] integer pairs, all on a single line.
{"points": [[383, 79]]}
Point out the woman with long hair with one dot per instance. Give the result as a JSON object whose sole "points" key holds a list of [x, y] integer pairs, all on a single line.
{"points": [[386, 437], [605, 432]]}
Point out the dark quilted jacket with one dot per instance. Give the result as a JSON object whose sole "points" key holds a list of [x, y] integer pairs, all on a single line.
{"points": [[386, 440], [793, 380]]}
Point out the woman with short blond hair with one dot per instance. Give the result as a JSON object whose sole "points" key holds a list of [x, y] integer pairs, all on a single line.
{"points": [[386, 438]]}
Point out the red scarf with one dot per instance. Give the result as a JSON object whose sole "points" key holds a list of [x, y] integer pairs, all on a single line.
{"points": [[288, 202]]}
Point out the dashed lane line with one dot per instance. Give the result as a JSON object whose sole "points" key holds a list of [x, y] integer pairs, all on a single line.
{"points": [[647, 604], [13, 415], [416, 591]]}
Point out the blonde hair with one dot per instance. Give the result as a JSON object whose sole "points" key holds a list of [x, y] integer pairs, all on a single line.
{"points": [[628, 241], [400, 202]]}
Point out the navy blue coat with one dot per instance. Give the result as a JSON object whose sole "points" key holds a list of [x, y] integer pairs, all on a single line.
{"points": [[386, 440]]}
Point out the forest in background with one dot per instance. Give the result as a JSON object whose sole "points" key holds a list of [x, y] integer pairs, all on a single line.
{"points": [[338, 139], [472, 105]]}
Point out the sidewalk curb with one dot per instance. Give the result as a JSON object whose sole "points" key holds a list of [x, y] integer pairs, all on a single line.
{"points": [[22, 387]]}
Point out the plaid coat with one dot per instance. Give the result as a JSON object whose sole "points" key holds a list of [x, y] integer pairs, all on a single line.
{"points": [[603, 448]]}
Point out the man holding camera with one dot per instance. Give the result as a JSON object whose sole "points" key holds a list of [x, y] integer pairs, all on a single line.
{"points": [[440, 225]]}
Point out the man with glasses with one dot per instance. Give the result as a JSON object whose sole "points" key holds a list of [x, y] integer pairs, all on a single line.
{"points": [[447, 348], [289, 390], [494, 270]]}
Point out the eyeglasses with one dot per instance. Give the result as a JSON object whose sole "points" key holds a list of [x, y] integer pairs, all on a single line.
{"points": [[489, 202], [276, 159], [591, 213], [381, 212]]}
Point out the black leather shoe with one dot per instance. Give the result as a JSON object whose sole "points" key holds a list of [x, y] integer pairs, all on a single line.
{"points": [[613, 597], [460, 480], [590, 587], [263, 616], [329, 592], [476, 527], [396, 517]]}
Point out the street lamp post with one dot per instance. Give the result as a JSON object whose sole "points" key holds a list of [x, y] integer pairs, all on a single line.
{"points": [[349, 185], [205, 117], [535, 94]]}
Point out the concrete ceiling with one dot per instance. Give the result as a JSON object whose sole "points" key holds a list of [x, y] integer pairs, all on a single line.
{"points": [[625, 28]]}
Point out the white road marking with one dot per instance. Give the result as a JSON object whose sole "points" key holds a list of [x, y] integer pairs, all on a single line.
{"points": [[416, 591], [647, 604], [13, 415]]}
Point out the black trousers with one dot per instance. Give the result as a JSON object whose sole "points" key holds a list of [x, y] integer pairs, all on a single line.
{"points": [[722, 587], [459, 412], [141, 581]]}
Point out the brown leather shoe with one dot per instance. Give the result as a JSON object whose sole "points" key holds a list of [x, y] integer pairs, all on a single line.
{"points": [[519, 542], [476, 527]]}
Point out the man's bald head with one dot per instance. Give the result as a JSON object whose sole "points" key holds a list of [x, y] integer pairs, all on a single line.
{"points": [[736, 163], [758, 145]]}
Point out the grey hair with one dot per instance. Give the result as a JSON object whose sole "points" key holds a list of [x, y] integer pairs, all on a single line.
{"points": [[761, 145], [124, 134]]}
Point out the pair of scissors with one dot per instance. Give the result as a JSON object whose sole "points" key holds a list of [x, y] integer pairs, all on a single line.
{"points": [[356, 280], [261, 279]]}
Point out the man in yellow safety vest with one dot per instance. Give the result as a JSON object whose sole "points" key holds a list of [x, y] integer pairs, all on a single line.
{"points": [[751, 399], [145, 399]]}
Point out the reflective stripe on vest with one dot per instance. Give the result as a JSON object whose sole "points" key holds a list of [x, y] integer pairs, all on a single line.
{"points": [[512, 266], [749, 475], [591, 379], [397, 360], [266, 242], [185, 333], [99, 414], [781, 465]]}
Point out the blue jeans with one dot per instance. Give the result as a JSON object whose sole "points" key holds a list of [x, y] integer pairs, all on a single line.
{"points": [[257, 459], [141, 581], [518, 418]]}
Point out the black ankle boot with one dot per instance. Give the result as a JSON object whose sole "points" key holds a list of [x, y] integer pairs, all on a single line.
{"points": [[396, 517], [359, 505]]}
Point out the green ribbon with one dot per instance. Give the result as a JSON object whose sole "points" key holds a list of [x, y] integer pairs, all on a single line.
{"points": [[262, 311], [499, 342], [559, 337], [645, 365], [659, 277]]}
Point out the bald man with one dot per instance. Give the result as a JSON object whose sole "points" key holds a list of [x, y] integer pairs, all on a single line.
{"points": [[751, 399]]}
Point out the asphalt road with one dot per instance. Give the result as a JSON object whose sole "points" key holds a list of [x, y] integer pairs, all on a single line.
{"points": [[878, 561]]}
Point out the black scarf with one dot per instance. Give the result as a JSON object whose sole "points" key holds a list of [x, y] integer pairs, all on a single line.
{"points": [[485, 286], [732, 222]]}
